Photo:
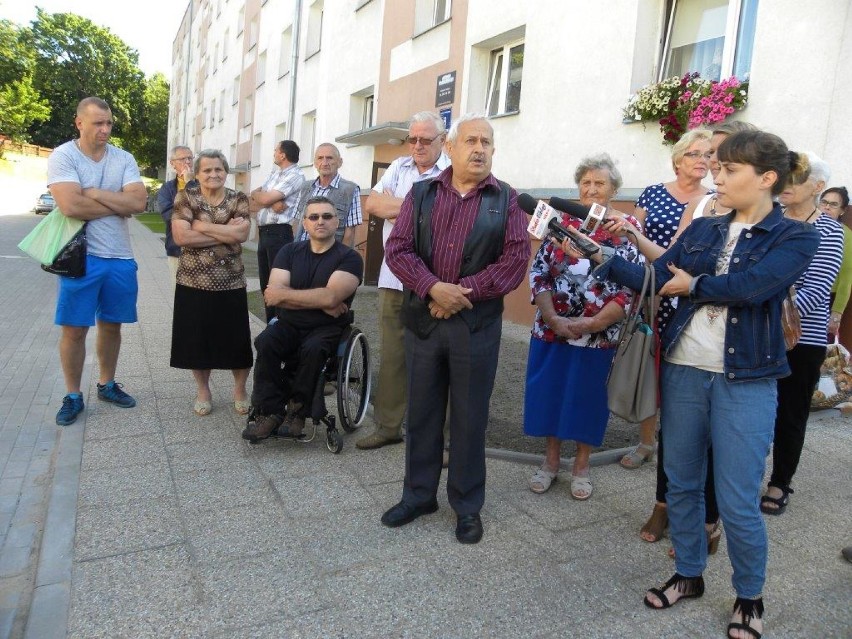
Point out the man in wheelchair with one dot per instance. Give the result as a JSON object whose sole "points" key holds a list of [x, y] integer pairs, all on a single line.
{"points": [[311, 285]]}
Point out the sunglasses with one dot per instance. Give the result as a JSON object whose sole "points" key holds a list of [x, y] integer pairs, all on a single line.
{"points": [[314, 217], [413, 139]]}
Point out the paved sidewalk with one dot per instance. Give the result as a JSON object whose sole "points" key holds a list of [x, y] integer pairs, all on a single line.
{"points": [[182, 529]]}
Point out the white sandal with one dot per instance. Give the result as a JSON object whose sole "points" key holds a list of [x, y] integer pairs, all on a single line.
{"points": [[581, 487], [638, 455], [541, 481]]}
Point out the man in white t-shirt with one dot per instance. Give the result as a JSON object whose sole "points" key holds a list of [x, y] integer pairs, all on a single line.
{"points": [[426, 135], [94, 181]]}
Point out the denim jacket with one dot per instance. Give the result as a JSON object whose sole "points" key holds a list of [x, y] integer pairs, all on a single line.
{"points": [[767, 260]]}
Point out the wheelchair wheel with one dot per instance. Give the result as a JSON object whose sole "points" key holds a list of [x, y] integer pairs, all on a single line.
{"points": [[353, 381], [334, 441]]}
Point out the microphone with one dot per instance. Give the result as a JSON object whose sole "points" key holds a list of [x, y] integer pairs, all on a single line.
{"points": [[592, 217], [545, 219]]}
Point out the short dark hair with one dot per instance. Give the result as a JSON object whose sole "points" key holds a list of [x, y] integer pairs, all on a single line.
{"points": [[290, 150], [318, 199], [842, 192], [765, 152], [92, 101]]}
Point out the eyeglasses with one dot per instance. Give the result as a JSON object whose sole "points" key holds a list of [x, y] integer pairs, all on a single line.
{"points": [[830, 205], [186, 159], [694, 155], [413, 139], [314, 217]]}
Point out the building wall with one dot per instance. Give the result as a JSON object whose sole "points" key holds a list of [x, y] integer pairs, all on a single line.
{"points": [[582, 60]]}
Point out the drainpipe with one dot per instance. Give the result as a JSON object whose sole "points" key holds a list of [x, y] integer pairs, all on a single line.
{"points": [[294, 66]]}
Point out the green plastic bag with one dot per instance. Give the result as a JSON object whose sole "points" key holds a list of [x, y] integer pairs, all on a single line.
{"points": [[45, 241]]}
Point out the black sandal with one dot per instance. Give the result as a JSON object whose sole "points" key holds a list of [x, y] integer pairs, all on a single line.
{"points": [[780, 502], [749, 609], [688, 587]]}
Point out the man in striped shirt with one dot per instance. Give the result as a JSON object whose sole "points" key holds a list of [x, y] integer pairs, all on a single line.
{"points": [[459, 245], [275, 203]]}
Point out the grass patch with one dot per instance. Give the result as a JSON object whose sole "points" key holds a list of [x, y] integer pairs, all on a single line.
{"points": [[153, 221]]}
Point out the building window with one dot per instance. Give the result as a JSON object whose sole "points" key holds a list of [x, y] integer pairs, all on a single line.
{"points": [[222, 105], [504, 79], [241, 21], [369, 105], [362, 106], [215, 60], [256, 149], [213, 113], [286, 56], [254, 31], [712, 37], [225, 46], [248, 110], [235, 91], [314, 39], [204, 118], [429, 13], [260, 74], [308, 135], [280, 132]]}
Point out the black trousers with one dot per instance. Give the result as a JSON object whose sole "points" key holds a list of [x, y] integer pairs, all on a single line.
{"points": [[711, 508], [452, 364], [794, 406], [272, 238], [282, 343]]}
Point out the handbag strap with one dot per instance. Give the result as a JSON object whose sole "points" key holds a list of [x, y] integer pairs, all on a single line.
{"points": [[644, 297]]}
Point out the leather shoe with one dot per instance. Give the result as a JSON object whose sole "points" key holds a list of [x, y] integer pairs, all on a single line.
{"points": [[469, 529], [376, 440], [403, 513]]}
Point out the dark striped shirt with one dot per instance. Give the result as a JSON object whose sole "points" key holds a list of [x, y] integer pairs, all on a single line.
{"points": [[814, 285], [452, 220]]}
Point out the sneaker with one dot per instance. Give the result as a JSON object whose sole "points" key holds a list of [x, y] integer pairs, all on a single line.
{"points": [[111, 392], [71, 407], [261, 427]]}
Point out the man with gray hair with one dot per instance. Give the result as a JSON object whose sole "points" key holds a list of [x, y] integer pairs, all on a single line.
{"points": [[458, 246], [181, 160], [426, 135]]}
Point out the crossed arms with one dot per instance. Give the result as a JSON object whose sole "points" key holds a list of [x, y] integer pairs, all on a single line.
{"points": [[329, 298], [91, 204]]}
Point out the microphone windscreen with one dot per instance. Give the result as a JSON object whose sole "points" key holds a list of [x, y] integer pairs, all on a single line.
{"points": [[571, 208], [527, 202]]}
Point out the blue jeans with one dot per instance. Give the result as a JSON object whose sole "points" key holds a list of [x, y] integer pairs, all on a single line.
{"points": [[700, 408]]}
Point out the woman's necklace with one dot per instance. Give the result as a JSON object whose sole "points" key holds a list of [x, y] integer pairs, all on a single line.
{"points": [[805, 221]]}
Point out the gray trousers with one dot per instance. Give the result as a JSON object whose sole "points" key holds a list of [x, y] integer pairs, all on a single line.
{"points": [[456, 365]]}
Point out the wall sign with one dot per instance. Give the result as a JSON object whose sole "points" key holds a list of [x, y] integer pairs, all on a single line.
{"points": [[445, 91]]}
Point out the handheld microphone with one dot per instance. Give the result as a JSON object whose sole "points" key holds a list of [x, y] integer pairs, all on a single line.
{"points": [[592, 217], [545, 219]]}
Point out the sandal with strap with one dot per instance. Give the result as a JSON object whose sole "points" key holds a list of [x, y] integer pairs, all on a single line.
{"points": [[541, 481], [581, 487], [749, 609], [657, 524], [780, 502], [714, 536], [637, 456], [686, 587]]}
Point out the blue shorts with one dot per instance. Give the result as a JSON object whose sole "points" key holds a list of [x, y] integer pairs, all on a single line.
{"points": [[107, 291]]}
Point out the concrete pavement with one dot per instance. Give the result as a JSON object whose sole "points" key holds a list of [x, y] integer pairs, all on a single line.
{"points": [[152, 522]]}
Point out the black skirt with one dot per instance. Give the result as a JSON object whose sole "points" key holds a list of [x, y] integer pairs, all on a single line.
{"points": [[210, 329]]}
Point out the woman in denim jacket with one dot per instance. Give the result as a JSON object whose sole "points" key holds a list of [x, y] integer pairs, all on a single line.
{"points": [[722, 354]]}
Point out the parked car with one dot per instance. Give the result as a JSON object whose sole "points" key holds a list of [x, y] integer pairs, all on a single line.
{"points": [[45, 204]]}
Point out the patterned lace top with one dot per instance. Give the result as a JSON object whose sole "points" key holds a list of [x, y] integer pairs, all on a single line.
{"points": [[211, 268]]}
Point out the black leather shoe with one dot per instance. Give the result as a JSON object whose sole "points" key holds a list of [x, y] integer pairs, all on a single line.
{"points": [[469, 529], [403, 513]]}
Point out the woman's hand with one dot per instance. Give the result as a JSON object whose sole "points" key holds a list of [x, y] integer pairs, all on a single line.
{"points": [[571, 250], [620, 227], [679, 284], [834, 323], [566, 327]]}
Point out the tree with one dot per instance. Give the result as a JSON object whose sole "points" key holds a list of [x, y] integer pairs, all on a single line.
{"points": [[74, 59], [148, 136], [21, 105]]}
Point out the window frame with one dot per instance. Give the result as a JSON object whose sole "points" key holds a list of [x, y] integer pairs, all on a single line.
{"points": [[503, 51], [729, 50]]}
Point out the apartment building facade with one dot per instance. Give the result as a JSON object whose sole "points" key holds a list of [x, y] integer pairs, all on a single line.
{"points": [[554, 75]]}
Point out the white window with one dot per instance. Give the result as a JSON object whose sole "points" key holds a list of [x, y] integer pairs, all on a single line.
{"points": [[248, 109], [280, 132], [314, 39], [713, 37], [260, 73], [369, 106], [504, 79], [235, 91], [256, 149], [213, 113], [309, 129], [204, 118], [225, 46], [254, 30], [429, 13], [215, 60], [241, 21], [222, 105], [286, 56]]}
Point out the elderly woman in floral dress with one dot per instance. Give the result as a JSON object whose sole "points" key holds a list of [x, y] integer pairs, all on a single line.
{"points": [[573, 340]]}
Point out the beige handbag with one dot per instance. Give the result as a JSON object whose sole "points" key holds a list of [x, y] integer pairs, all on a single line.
{"points": [[632, 381], [791, 320]]}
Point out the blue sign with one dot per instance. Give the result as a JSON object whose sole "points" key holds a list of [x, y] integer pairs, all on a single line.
{"points": [[447, 117]]}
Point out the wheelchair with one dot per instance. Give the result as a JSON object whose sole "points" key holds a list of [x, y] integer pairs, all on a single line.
{"points": [[349, 370]]}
